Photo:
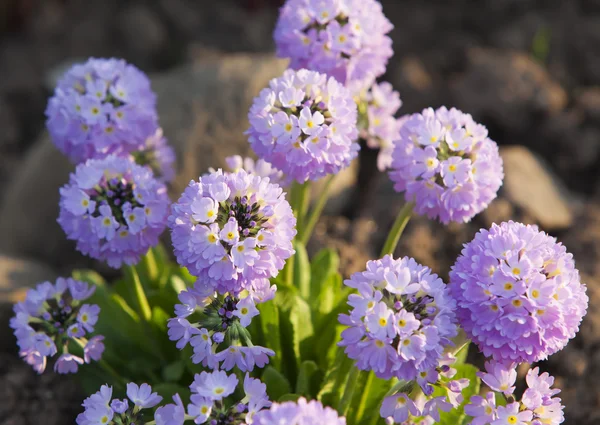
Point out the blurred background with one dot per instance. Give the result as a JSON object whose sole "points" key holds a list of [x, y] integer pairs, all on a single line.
{"points": [[529, 70]]}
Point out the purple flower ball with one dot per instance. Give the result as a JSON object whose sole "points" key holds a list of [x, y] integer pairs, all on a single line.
{"points": [[298, 413], [377, 122], [99, 107], [400, 320], [518, 293], [304, 125], [114, 209], [345, 39], [445, 163], [50, 319], [230, 229]]}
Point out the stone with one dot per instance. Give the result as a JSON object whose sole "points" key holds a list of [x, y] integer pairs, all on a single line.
{"points": [[507, 87], [143, 33], [203, 111], [16, 277], [529, 184]]}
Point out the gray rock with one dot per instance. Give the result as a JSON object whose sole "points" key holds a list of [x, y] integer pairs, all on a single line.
{"points": [[16, 277], [530, 185], [508, 87], [203, 110], [143, 32]]}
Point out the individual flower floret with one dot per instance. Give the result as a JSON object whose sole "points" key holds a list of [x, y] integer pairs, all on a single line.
{"points": [[101, 408], [209, 391], [298, 413], [518, 293], [377, 123], [215, 326], [101, 106], [346, 39], [52, 318], [422, 407], [537, 406], [400, 321], [114, 209], [304, 125], [230, 229], [171, 414], [446, 163]]}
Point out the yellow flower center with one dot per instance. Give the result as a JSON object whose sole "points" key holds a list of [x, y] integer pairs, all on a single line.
{"points": [[260, 238], [123, 233], [401, 400], [535, 293], [540, 312], [288, 127], [489, 410], [219, 390], [230, 235], [120, 114], [512, 419], [452, 168], [95, 110], [430, 162], [494, 307], [379, 343], [244, 311], [205, 337], [508, 286], [131, 217], [85, 127], [516, 271], [310, 124], [342, 38], [406, 342], [402, 323], [517, 303], [204, 410], [85, 202], [382, 321], [84, 318], [212, 238], [432, 139], [240, 248], [370, 305]]}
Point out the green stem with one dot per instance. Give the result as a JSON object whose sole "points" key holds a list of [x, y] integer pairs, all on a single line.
{"points": [[140, 296], [394, 236], [151, 266], [316, 211], [300, 197], [289, 270], [119, 380], [353, 378], [363, 398]]}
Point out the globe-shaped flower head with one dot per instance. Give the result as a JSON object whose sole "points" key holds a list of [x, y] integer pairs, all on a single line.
{"points": [[304, 125], [400, 320], [231, 228], [99, 107], [445, 163], [298, 413], [346, 39], [377, 123], [53, 317], [518, 293], [114, 209]]}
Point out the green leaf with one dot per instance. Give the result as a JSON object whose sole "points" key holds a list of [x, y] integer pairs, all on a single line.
{"points": [[335, 378], [300, 318], [366, 407], [457, 416], [307, 378], [277, 384], [302, 270], [174, 371], [325, 263], [269, 324], [89, 276], [289, 397], [168, 390]]}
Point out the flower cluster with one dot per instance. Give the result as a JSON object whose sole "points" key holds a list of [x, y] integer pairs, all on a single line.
{"points": [[425, 408], [101, 408], [518, 293], [400, 321], [99, 107], [209, 391], [537, 405], [230, 229], [300, 413], [377, 123], [259, 167], [346, 39], [445, 163], [50, 318], [218, 331], [114, 209], [304, 125]]}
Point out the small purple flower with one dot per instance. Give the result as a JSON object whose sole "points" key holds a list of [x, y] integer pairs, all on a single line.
{"points": [[171, 414], [67, 363], [518, 294], [499, 377], [122, 214], [52, 317], [398, 406], [511, 415], [377, 123], [119, 406], [211, 388], [142, 396], [482, 409], [446, 164], [229, 229], [401, 319], [298, 413], [310, 139], [346, 39]]}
